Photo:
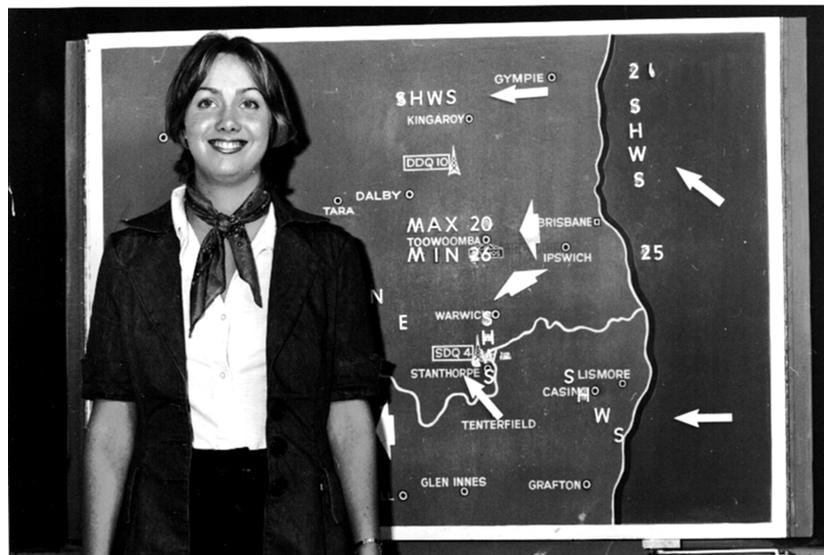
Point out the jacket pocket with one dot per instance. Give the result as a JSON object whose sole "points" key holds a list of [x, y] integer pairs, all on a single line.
{"points": [[166, 462], [127, 495], [333, 496]]}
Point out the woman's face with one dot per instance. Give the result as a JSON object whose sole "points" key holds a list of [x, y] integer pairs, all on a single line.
{"points": [[227, 125]]}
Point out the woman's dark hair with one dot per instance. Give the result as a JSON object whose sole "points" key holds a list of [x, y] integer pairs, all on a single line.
{"points": [[191, 73]]}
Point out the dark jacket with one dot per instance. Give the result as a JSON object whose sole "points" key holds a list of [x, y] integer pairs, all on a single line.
{"points": [[320, 349]]}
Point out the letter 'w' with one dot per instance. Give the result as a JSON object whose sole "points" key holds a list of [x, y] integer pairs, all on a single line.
{"points": [[602, 414]]}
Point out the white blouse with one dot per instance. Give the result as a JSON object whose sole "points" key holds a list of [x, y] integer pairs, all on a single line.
{"points": [[226, 355]]}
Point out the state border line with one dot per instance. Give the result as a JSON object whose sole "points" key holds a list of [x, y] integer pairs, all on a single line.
{"points": [[549, 326]]}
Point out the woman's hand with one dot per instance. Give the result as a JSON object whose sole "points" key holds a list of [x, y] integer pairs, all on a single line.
{"points": [[369, 549]]}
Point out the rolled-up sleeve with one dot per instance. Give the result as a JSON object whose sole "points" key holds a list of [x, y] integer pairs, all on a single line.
{"points": [[357, 360], [105, 372]]}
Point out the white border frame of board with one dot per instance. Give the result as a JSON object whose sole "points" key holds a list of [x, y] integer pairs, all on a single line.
{"points": [[769, 27]]}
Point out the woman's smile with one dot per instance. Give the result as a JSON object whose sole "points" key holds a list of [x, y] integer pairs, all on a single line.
{"points": [[227, 146]]}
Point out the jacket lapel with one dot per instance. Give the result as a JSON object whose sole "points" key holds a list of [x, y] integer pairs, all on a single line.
{"points": [[157, 280], [294, 266]]}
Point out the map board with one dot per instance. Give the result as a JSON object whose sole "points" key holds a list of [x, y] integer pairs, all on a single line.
{"points": [[575, 232]]}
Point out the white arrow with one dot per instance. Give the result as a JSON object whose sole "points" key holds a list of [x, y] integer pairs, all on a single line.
{"points": [[386, 429], [694, 418], [518, 281], [694, 181], [530, 229], [512, 93], [475, 389]]}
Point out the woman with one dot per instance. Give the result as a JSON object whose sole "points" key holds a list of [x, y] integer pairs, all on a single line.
{"points": [[229, 358]]}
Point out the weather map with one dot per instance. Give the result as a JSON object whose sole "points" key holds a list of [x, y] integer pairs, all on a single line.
{"points": [[523, 338], [521, 252]]}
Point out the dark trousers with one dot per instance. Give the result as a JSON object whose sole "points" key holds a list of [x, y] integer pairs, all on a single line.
{"points": [[228, 491]]}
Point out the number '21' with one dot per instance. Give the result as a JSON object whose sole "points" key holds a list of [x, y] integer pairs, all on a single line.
{"points": [[634, 71]]}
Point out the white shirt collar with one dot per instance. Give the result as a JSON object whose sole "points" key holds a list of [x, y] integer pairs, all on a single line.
{"points": [[263, 239]]}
